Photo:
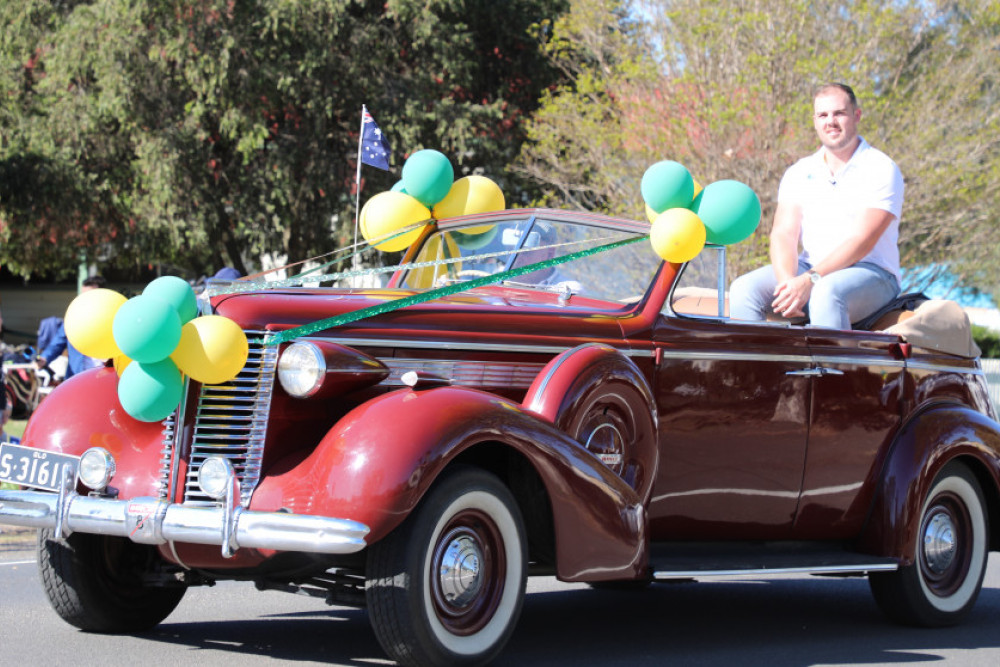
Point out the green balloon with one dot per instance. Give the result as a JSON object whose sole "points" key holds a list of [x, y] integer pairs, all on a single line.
{"points": [[475, 241], [730, 211], [666, 185], [178, 293], [150, 392], [146, 328], [398, 187], [427, 176]]}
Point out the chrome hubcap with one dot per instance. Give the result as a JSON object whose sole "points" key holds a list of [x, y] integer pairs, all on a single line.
{"points": [[460, 573], [607, 443], [939, 543]]}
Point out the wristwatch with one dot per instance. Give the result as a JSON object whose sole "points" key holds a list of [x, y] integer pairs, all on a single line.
{"points": [[813, 276]]}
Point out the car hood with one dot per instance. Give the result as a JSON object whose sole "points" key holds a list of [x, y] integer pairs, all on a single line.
{"points": [[501, 310]]}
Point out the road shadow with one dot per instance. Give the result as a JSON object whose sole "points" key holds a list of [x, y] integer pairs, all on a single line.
{"points": [[333, 636], [788, 622], [775, 622]]}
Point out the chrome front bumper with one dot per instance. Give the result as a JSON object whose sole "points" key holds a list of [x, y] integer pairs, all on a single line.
{"points": [[157, 521]]}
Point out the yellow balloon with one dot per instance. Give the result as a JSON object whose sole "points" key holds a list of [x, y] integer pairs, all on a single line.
{"points": [[651, 215], [697, 189], [121, 362], [88, 322], [387, 213], [470, 195], [213, 349], [677, 235], [433, 250]]}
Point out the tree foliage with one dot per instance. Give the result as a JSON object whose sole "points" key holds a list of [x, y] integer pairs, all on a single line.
{"points": [[726, 89], [204, 133]]}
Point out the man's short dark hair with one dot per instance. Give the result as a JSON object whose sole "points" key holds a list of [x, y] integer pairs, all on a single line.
{"points": [[843, 87], [95, 281]]}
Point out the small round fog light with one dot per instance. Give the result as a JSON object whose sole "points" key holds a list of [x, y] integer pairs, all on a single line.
{"points": [[97, 467], [214, 477]]}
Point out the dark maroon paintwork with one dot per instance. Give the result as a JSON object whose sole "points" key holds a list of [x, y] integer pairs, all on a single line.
{"points": [[724, 443]]}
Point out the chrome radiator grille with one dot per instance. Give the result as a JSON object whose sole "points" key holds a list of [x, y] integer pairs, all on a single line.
{"points": [[231, 422]]}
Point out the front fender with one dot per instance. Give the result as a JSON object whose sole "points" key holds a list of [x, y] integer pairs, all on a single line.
{"points": [[922, 448], [84, 412], [378, 461]]}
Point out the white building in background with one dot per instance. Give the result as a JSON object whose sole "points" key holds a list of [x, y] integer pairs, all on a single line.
{"points": [[984, 317]]}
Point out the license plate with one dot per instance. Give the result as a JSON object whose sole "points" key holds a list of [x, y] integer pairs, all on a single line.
{"points": [[36, 468]]}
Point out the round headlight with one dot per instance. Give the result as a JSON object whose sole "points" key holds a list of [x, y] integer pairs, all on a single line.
{"points": [[97, 467], [214, 477], [301, 369]]}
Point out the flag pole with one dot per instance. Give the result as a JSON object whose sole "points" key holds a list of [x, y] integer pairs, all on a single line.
{"points": [[357, 188]]}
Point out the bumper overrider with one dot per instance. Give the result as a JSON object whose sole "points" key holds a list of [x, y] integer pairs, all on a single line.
{"points": [[158, 521]]}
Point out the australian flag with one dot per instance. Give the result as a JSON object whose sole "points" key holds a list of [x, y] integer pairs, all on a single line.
{"points": [[375, 150]]}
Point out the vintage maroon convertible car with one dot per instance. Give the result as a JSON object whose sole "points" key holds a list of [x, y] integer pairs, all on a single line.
{"points": [[600, 420]]}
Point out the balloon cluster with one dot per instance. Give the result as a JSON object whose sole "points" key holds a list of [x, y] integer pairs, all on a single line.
{"points": [[685, 216], [427, 189], [159, 331]]}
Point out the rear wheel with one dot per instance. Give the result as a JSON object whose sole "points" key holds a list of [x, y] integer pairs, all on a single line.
{"points": [[942, 585], [446, 587], [611, 422], [98, 583]]}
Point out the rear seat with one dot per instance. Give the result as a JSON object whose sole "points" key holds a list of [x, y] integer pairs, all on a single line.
{"points": [[704, 302]]}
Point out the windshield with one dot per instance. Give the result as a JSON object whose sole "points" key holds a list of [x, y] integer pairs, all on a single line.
{"points": [[618, 275]]}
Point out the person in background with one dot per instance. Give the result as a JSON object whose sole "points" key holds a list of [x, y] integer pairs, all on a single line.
{"points": [[78, 362], [4, 418], [843, 204]]}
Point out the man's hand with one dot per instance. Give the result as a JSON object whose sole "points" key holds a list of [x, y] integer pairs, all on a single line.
{"points": [[792, 295]]}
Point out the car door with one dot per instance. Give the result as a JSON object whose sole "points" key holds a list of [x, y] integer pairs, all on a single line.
{"points": [[733, 411], [857, 381]]}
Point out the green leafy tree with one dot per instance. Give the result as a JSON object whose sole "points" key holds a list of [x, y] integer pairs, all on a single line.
{"points": [[203, 133], [726, 89]]}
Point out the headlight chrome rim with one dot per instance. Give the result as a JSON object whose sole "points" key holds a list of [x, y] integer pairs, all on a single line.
{"points": [[96, 469], [301, 369], [215, 476]]}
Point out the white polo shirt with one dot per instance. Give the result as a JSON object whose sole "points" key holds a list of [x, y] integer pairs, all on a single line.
{"points": [[832, 203]]}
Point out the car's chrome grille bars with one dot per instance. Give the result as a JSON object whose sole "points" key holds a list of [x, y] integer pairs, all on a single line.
{"points": [[167, 454], [231, 422]]}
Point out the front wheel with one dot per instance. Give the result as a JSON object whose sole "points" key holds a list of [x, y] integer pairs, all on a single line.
{"points": [[446, 586], [99, 583], [942, 584]]}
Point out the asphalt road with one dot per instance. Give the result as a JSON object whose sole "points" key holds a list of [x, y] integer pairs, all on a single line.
{"points": [[787, 621]]}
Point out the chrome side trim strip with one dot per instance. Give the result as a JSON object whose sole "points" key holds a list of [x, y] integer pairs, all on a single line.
{"points": [[733, 356], [825, 569], [440, 345], [870, 360], [944, 368], [466, 373], [666, 353]]}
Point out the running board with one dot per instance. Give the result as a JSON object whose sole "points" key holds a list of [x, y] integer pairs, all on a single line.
{"points": [[701, 560]]}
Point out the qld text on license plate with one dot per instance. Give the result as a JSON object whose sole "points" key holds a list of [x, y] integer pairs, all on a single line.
{"points": [[34, 467]]}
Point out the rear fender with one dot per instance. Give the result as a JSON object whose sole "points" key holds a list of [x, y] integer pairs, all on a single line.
{"points": [[922, 448], [376, 464], [84, 412]]}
